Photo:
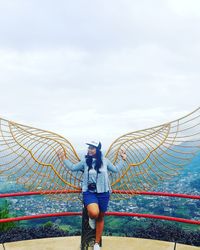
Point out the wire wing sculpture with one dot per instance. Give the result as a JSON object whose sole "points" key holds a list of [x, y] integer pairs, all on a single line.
{"points": [[29, 156], [155, 154]]}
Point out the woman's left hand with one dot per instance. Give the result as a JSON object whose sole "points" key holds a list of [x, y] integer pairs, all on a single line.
{"points": [[123, 154]]}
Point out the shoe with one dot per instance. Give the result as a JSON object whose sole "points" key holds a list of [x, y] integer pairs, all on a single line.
{"points": [[96, 246], [92, 223]]}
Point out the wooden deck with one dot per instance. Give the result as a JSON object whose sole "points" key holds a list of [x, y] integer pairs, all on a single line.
{"points": [[109, 243]]}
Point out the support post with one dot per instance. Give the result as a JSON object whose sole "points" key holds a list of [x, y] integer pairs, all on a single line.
{"points": [[87, 234]]}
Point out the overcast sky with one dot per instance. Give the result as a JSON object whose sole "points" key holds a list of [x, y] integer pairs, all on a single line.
{"points": [[98, 68]]}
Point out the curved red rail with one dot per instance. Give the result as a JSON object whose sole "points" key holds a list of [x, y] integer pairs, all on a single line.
{"points": [[187, 196], [108, 213], [39, 216], [152, 216], [130, 192]]}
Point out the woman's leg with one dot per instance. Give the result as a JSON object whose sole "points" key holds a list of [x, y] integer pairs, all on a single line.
{"points": [[103, 200], [93, 210], [99, 226]]}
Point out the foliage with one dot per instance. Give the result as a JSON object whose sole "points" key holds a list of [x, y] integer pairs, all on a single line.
{"points": [[4, 213]]}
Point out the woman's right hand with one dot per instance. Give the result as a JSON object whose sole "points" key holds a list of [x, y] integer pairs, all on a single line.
{"points": [[61, 155]]}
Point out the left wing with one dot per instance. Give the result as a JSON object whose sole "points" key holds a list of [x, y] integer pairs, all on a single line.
{"points": [[155, 154], [28, 156]]}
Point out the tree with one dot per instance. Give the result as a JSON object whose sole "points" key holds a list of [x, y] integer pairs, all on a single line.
{"points": [[4, 213]]}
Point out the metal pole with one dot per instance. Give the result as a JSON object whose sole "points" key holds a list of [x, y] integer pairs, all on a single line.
{"points": [[88, 234]]}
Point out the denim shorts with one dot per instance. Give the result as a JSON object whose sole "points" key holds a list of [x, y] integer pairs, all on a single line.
{"points": [[102, 199]]}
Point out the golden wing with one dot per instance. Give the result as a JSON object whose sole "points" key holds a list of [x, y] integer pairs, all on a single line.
{"points": [[156, 153], [29, 157]]}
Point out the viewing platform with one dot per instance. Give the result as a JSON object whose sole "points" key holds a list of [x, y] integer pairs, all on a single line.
{"points": [[109, 243]]}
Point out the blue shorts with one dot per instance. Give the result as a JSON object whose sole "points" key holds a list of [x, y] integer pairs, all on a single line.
{"points": [[101, 199]]}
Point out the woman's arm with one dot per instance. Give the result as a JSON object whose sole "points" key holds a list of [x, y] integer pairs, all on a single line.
{"points": [[115, 168], [74, 167], [68, 164], [119, 166]]}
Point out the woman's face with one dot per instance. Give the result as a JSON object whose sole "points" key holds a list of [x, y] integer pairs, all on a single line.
{"points": [[91, 150]]}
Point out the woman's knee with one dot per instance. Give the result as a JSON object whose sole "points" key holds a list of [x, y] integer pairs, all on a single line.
{"points": [[93, 210], [93, 214]]}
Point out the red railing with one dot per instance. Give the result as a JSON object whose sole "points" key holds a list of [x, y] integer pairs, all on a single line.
{"points": [[108, 213], [130, 192]]}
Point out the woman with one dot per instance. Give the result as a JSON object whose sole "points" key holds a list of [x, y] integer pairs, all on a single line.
{"points": [[96, 186]]}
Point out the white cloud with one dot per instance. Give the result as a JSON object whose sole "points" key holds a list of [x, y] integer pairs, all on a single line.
{"points": [[186, 8], [98, 69]]}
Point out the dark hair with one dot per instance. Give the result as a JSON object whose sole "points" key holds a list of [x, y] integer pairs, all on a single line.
{"points": [[99, 161]]}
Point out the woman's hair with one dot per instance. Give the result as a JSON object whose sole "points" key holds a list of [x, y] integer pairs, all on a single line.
{"points": [[99, 161]]}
